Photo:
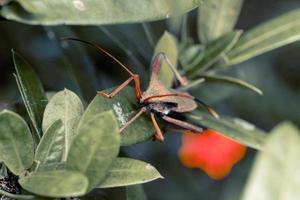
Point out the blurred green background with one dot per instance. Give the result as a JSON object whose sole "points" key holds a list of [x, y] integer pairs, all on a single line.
{"points": [[73, 66]]}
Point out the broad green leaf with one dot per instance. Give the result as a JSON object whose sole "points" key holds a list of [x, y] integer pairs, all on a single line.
{"points": [[230, 80], [16, 144], [126, 171], [167, 45], [95, 147], [60, 183], [234, 128], [50, 166], [90, 12], [217, 17], [31, 90], [267, 36], [135, 192], [276, 168], [67, 107], [125, 107], [213, 51], [15, 196], [51, 147]]}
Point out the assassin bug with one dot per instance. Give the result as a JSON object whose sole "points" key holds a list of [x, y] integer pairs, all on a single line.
{"points": [[157, 99]]}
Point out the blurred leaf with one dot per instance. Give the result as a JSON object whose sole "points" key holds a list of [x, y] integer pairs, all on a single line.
{"points": [[95, 147], [217, 17], [16, 145], [31, 90], [76, 60], [126, 171], [191, 55], [213, 52], [235, 128], [3, 170], [7, 195], [60, 183], [125, 107], [167, 45], [275, 171], [270, 35], [51, 146], [15, 196], [231, 80], [135, 192], [90, 12], [67, 107]]}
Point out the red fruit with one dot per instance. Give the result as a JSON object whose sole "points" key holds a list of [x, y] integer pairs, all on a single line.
{"points": [[210, 151]]}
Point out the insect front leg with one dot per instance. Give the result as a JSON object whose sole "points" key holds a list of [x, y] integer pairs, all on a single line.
{"points": [[138, 91]]}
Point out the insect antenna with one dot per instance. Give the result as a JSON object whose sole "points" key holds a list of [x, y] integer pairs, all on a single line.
{"points": [[209, 108], [100, 49]]}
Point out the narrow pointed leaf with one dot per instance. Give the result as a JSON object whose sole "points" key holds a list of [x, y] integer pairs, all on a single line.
{"points": [[213, 52], [231, 80], [167, 45], [267, 36], [67, 107], [60, 183], [217, 17], [95, 147], [90, 12], [276, 168], [16, 144], [124, 106], [234, 128], [51, 147], [126, 171], [31, 90]]}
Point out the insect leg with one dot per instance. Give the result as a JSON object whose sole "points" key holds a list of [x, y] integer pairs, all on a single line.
{"points": [[158, 135], [133, 118], [138, 91], [157, 64], [209, 108], [183, 124]]}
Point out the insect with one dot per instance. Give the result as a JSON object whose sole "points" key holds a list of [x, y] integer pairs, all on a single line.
{"points": [[157, 100]]}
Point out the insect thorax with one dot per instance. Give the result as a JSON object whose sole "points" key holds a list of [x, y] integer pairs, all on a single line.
{"points": [[163, 108]]}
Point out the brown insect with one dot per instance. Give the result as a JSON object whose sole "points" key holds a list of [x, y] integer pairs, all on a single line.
{"points": [[157, 99]]}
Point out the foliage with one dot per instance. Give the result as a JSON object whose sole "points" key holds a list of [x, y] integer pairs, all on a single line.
{"points": [[278, 163], [56, 170], [64, 149]]}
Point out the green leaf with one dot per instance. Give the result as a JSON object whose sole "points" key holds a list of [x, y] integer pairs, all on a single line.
{"points": [[31, 90], [217, 17], [234, 128], [60, 183], [90, 12], [276, 168], [213, 52], [270, 35], [16, 145], [125, 107], [95, 147], [51, 147], [15, 196], [167, 45], [126, 171], [135, 192], [231, 80], [67, 107]]}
